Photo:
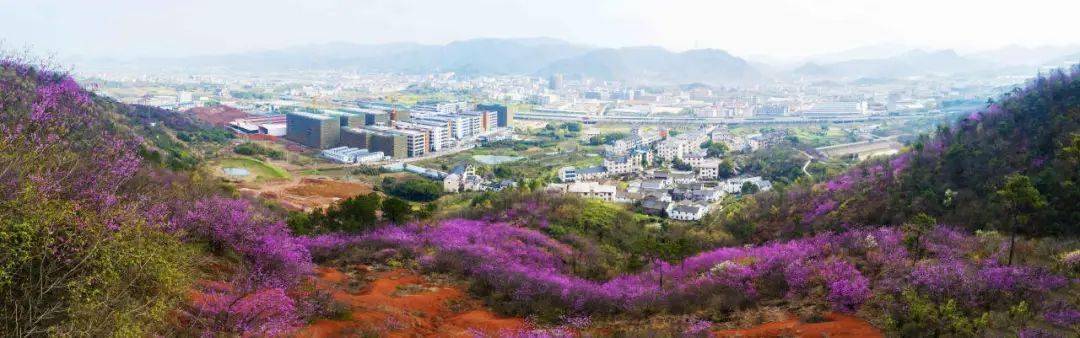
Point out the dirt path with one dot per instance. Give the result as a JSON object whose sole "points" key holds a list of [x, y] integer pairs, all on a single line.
{"points": [[399, 303], [838, 325]]}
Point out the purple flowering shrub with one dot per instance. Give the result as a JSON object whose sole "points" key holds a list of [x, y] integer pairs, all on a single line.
{"points": [[274, 256], [79, 252], [273, 261], [82, 212], [521, 271], [259, 311]]}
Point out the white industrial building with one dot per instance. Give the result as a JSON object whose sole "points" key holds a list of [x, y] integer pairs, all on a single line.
{"points": [[352, 155]]}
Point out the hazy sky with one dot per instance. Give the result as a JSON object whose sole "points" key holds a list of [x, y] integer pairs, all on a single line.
{"points": [[780, 28]]}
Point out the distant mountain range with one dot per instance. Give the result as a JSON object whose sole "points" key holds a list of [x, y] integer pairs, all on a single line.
{"points": [[912, 63], [636, 65], [658, 66]]}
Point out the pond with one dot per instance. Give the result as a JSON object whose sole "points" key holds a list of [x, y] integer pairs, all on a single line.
{"points": [[496, 159], [236, 172]]}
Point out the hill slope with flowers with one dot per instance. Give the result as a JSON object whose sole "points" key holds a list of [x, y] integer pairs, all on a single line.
{"points": [[107, 227], [954, 175], [820, 248]]}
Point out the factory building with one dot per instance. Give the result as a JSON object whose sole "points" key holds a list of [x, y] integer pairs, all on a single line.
{"points": [[355, 137], [388, 142], [312, 130], [380, 118], [348, 119]]}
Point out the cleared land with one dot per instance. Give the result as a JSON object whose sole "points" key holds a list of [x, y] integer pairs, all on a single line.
{"points": [[259, 170], [399, 303], [306, 193]]}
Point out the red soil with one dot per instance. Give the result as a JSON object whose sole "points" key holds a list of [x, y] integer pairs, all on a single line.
{"points": [[219, 115], [382, 308], [838, 325]]}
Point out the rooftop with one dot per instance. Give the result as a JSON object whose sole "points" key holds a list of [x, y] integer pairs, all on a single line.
{"points": [[312, 115]]}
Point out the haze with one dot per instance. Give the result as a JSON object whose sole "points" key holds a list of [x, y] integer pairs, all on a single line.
{"points": [[779, 29]]}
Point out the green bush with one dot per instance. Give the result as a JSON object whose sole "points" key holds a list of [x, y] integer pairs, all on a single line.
{"points": [[418, 190], [90, 280]]}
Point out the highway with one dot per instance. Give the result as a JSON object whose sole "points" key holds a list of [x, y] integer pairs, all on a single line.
{"points": [[694, 120]]}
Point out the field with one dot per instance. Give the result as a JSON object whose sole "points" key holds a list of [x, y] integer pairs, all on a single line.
{"points": [[259, 170]]}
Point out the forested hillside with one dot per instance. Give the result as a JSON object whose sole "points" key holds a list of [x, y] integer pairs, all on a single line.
{"points": [[957, 175]]}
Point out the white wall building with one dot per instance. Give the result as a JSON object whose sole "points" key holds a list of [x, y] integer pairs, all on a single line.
{"points": [[686, 211]]}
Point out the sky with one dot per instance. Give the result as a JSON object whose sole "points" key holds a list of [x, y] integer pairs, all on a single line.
{"points": [[774, 28]]}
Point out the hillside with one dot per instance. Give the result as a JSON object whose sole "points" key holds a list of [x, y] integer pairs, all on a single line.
{"points": [[953, 175], [110, 227], [108, 205]]}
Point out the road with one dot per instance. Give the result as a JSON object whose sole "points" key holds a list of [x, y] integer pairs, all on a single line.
{"points": [[807, 164]]}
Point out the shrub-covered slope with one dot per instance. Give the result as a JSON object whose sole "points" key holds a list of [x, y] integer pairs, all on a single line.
{"points": [[955, 176], [97, 241]]}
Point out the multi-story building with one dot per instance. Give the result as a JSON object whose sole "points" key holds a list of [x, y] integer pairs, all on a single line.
{"points": [[348, 119], [388, 142], [555, 82], [354, 137], [312, 130], [504, 115], [680, 146], [626, 164], [379, 118], [473, 124], [708, 168], [672, 149], [391, 142], [437, 135], [416, 141], [444, 135], [400, 115], [443, 107], [459, 125], [618, 165]]}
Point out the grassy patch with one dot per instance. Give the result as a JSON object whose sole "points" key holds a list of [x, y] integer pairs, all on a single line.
{"points": [[259, 170]]}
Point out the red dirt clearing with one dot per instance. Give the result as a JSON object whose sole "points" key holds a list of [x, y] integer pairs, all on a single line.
{"points": [[306, 193], [838, 325], [400, 303], [219, 115]]}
